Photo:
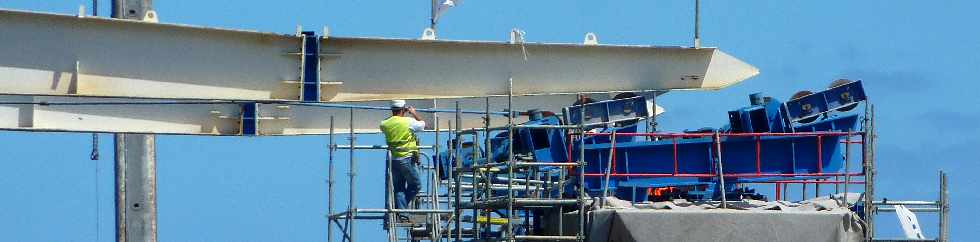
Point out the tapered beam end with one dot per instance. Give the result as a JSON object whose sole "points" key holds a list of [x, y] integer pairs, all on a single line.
{"points": [[725, 70]]}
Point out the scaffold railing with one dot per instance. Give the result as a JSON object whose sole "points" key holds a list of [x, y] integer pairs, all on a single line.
{"points": [[494, 199]]}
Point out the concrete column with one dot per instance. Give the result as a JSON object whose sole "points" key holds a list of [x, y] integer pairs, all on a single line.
{"points": [[136, 197], [136, 181], [132, 9]]}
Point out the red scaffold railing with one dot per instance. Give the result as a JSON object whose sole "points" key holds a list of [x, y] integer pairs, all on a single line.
{"points": [[808, 178]]}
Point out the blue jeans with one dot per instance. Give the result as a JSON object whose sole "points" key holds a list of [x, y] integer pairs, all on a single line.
{"points": [[405, 180]]}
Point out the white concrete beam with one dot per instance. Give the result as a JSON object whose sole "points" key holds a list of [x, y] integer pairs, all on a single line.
{"points": [[64, 55], [51, 114]]}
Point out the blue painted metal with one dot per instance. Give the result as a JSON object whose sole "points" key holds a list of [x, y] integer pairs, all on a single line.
{"points": [[465, 153], [762, 118], [623, 114], [781, 157], [310, 87], [249, 119], [608, 111], [547, 145], [825, 101]]}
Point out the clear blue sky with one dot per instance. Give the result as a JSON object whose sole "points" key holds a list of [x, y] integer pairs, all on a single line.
{"points": [[916, 58]]}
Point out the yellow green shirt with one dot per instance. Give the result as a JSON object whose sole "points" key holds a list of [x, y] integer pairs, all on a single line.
{"points": [[400, 136]]}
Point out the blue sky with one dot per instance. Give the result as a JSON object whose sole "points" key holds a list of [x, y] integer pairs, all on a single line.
{"points": [[916, 58]]}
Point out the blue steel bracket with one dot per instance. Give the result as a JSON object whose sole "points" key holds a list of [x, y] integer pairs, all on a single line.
{"points": [[826, 101], [250, 119], [608, 111], [310, 87]]}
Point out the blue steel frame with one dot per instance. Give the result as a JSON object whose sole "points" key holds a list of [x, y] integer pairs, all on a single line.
{"points": [[250, 119], [310, 87], [825, 101]]}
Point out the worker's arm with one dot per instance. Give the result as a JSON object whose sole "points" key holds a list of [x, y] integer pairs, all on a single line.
{"points": [[417, 125], [411, 110]]}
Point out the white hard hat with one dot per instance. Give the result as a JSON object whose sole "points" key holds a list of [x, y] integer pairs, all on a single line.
{"points": [[397, 103]]}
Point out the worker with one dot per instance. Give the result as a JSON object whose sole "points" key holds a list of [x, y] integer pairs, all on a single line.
{"points": [[399, 133]]}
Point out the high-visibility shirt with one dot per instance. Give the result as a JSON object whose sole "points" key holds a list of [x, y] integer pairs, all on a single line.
{"points": [[400, 136]]}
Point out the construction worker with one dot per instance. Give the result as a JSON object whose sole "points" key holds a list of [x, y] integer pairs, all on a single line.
{"points": [[399, 133]]}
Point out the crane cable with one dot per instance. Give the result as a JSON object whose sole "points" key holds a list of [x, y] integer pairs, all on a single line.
{"points": [[95, 157]]}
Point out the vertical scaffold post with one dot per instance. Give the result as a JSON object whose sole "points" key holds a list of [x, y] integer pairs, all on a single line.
{"points": [[352, 174], [435, 233], [330, 181], [868, 167], [652, 121], [944, 208], [803, 191], [489, 157], [609, 165], [847, 168], [510, 160], [721, 170], [581, 173], [816, 186], [457, 172], [785, 191], [475, 183], [390, 197], [451, 187]]}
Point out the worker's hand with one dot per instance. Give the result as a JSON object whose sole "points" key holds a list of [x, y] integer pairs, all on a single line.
{"points": [[411, 110]]}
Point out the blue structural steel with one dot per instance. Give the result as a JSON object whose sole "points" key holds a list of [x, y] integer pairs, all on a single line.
{"points": [[310, 86], [780, 155], [841, 96], [792, 152], [764, 115], [250, 119], [608, 111]]}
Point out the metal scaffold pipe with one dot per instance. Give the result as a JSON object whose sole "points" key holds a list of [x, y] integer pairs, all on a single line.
{"points": [[434, 187], [721, 170], [609, 165], [458, 163], [378, 147], [943, 207], [351, 173], [487, 190], [389, 198], [510, 161], [581, 174], [868, 166], [330, 180]]}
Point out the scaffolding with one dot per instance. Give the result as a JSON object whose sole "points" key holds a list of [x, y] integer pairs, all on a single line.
{"points": [[472, 197], [529, 186], [499, 200], [429, 206]]}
